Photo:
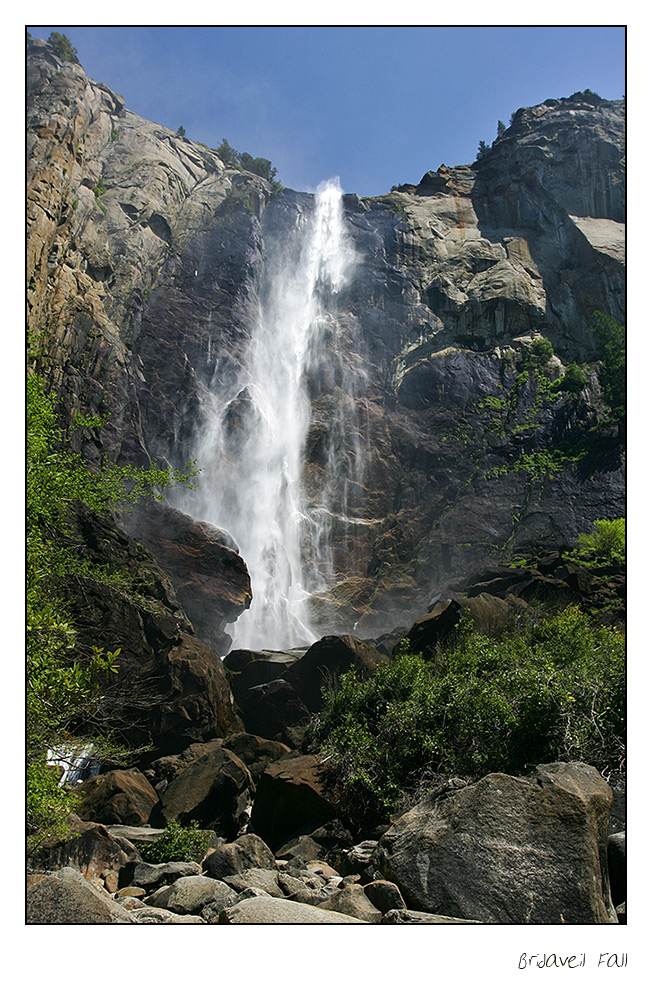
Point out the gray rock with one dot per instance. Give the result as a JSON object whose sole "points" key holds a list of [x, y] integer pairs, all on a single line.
{"points": [[150, 877], [66, 897], [404, 916], [248, 851], [258, 878], [507, 850], [385, 896], [190, 894], [266, 910], [352, 900]]}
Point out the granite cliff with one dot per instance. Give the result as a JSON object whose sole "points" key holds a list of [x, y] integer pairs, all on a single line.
{"points": [[144, 257]]}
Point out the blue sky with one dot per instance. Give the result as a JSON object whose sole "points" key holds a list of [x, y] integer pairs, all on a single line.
{"points": [[375, 106]]}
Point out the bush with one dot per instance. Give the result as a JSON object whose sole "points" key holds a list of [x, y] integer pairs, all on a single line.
{"points": [[537, 354], [573, 380], [544, 690], [177, 843], [63, 47], [606, 542]]}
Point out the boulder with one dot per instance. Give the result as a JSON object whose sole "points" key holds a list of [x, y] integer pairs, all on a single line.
{"points": [[256, 878], [351, 899], [122, 797], [88, 848], [249, 668], [248, 851], [270, 709], [191, 894], [270, 910], [215, 789], [403, 916], [326, 660], [149, 877], [203, 563], [254, 751], [66, 897], [384, 895], [507, 850], [291, 794], [488, 613]]}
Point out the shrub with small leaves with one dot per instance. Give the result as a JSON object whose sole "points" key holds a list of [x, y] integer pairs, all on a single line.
{"points": [[178, 843]]}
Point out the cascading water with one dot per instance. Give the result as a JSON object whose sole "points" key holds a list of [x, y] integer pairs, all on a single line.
{"points": [[253, 447]]}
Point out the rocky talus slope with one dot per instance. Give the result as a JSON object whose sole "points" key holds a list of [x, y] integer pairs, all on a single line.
{"points": [[144, 257]]}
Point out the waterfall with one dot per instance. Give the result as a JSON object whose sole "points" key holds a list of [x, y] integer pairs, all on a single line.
{"points": [[253, 446]]}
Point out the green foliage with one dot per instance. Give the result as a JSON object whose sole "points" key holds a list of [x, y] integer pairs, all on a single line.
{"points": [[177, 843], [258, 165], [537, 354], [227, 154], [606, 543], [610, 336], [483, 148], [63, 47], [181, 131], [572, 381], [543, 690], [255, 165], [501, 127], [63, 687]]}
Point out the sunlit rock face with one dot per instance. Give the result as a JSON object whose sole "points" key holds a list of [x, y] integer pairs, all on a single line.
{"points": [[423, 450]]}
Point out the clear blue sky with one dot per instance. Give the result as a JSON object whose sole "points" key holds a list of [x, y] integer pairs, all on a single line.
{"points": [[375, 106]]}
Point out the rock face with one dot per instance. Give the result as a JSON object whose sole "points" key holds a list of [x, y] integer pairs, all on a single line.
{"points": [[209, 576], [507, 850], [144, 254]]}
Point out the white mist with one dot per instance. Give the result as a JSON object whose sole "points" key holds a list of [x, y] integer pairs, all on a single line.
{"points": [[253, 448]]}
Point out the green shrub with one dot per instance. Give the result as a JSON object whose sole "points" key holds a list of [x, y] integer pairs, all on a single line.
{"points": [[542, 691], [606, 542], [63, 47], [177, 843], [537, 354], [572, 381]]}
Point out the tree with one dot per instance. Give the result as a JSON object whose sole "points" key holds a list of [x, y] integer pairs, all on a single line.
{"points": [[181, 131], [501, 127], [573, 380], [483, 148], [258, 165], [227, 154], [610, 337], [63, 47], [63, 686]]}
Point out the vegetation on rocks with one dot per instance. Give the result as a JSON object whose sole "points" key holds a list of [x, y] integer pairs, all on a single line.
{"points": [[64, 680], [544, 689], [177, 843]]}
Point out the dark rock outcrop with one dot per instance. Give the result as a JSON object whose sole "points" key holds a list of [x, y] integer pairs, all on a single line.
{"points": [[291, 794], [209, 576]]}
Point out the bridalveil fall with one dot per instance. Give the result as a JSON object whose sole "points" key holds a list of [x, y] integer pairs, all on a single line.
{"points": [[252, 447]]}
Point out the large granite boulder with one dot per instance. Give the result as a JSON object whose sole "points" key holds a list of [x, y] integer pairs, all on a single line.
{"points": [[88, 848], [215, 790], [117, 797], [66, 897], [507, 850], [292, 793], [273, 910], [248, 851], [488, 614]]}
